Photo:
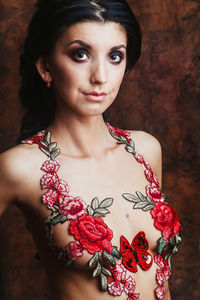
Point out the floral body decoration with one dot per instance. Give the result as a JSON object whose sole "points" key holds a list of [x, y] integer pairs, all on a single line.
{"points": [[91, 233], [136, 253]]}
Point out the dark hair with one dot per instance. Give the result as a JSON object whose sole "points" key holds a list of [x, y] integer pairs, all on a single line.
{"points": [[50, 20]]}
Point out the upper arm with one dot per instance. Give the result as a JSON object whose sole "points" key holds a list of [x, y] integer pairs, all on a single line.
{"points": [[7, 194], [13, 172], [150, 148]]}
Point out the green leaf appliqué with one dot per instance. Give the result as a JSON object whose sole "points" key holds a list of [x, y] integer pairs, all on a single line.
{"points": [[141, 202]]}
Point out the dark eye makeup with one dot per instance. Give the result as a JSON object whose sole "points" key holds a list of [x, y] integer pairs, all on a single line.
{"points": [[81, 55], [116, 57]]}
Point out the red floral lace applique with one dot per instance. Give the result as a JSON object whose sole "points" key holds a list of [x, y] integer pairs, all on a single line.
{"points": [[118, 132], [150, 176], [74, 250], [154, 193], [73, 207], [119, 283], [35, 138], [48, 181], [136, 253], [51, 198], [162, 275], [50, 166], [93, 235], [134, 296], [164, 272], [160, 292], [166, 220], [165, 217]]}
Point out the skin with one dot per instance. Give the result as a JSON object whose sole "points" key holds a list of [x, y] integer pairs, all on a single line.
{"points": [[88, 57]]}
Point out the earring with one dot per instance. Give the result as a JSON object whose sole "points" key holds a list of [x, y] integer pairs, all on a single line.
{"points": [[48, 84]]}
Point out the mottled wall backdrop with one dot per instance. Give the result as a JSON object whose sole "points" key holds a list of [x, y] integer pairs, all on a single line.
{"points": [[161, 96]]}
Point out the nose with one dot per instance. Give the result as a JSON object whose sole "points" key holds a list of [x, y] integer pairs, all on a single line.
{"points": [[98, 73]]}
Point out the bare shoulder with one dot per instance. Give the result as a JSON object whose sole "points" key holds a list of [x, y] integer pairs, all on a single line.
{"points": [[16, 162], [146, 144], [149, 147], [17, 171]]}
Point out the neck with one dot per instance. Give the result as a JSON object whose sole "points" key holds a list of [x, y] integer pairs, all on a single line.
{"points": [[80, 136]]}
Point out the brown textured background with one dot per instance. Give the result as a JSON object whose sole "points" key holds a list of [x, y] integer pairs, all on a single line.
{"points": [[160, 96]]}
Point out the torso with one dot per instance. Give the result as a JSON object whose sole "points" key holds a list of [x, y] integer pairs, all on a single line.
{"points": [[112, 176]]}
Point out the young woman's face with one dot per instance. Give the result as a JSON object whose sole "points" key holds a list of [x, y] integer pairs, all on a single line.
{"points": [[87, 66]]}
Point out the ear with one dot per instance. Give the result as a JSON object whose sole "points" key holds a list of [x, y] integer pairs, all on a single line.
{"points": [[43, 70]]}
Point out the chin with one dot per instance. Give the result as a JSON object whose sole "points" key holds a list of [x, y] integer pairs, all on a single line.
{"points": [[93, 113], [95, 110]]}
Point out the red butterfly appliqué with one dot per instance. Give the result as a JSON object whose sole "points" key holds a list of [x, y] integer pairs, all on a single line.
{"points": [[136, 253]]}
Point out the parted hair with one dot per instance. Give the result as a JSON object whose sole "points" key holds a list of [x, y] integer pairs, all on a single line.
{"points": [[50, 20]]}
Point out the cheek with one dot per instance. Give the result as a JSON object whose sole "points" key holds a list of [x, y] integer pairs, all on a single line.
{"points": [[65, 73], [117, 77]]}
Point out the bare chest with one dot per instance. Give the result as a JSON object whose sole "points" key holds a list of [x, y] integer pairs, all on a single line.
{"points": [[86, 180], [98, 213]]}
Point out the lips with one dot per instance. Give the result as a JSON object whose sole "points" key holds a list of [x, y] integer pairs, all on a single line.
{"points": [[95, 96], [96, 93]]}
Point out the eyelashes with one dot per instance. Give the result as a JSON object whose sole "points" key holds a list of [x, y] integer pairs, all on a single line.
{"points": [[81, 55], [116, 56]]}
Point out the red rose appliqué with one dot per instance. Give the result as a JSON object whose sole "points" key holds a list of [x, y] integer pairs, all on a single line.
{"points": [[121, 284], [92, 233], [35, 139], [47, 181], [166, 220], [73, 207], [62, 187], [74, 250], [160, 292], [50, 166], [150, 176], [50, 198], [154, 193], [118, 131]]}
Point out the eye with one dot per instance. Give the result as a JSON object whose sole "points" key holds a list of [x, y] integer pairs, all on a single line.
{"points": [[116, 57], [80, 55]]}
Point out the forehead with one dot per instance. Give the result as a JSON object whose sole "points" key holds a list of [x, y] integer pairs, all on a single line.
{"points": [[95, 33]]}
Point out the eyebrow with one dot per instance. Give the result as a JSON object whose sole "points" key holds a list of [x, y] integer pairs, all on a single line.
{"points": [[85, 45], [118, 47], [81, 43]]}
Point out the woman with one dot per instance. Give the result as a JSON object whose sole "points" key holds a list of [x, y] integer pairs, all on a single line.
{"points": [[71, 175]]}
